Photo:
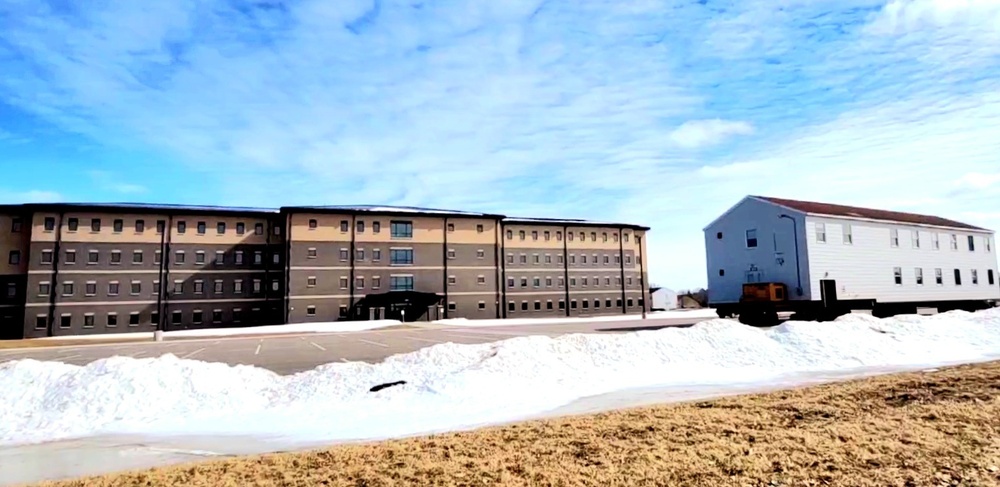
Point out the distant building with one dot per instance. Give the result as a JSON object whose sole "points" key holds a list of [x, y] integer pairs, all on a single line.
{"points": [[71, 269], [662, 299]]}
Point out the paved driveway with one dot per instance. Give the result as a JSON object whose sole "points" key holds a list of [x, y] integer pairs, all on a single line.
{"points": [[290, 354]]}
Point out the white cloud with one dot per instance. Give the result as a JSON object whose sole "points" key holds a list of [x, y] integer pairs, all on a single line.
{"points": [[109, 181], [700, 133], [30, 196], [899, 16]]}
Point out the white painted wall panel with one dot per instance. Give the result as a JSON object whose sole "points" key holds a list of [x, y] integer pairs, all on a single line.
{"points": [[864, 269], [773, 260]]}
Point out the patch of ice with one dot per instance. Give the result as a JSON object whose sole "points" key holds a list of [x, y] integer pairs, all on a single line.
{"points": [[452, 386]]}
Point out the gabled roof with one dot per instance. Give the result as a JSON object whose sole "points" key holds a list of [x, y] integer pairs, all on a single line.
{"points": [[816, 208]]}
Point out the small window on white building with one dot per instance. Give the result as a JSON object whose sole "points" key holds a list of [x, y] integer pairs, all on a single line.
{"points": [[975, 276], [898, 275], [972, 243], [954, 242], [988, 244], [915, 238], [848, 234], [752, 238], [938, 277], [821, 232], [894, 237], [920, 276], [936, 240]]}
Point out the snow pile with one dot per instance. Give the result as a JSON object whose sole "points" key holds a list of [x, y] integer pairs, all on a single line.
{"points": [[318, 327], [674, 314], [453, 386]]}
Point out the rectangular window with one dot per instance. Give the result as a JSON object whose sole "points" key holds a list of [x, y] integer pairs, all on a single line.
{"points": [[400, 256], [154, 317], [95, 225], [343, 282], [360, 226], [179, 257], [44, 289], [344, 255], [156, 288], [177, 317], [894, 237], [936, 240], [140, 226], [239, 257], [990, 279], [66, 321], [988, 244], [220, 228], [258, 257], [118, 226], [920, 275], [534, 234], [751, 238], [401, 283], [451, 253], [202, 228], [376, 255], [313, 224], [480, 254], [41, 321], [276, 258], [68, 288], [972, 243], [376, 227], [359, 254], [311, 253], [915, 238], [848, 234], [199, 286], [90, 289], [219, 286], [50, 224], [897, 275], [71, 257], [376, 282], [133, 319], [196, 317], [241, 228], [112, 319], [238, 286], [137, 257], [88, 320], [182, 227], [359, 282], [93, 257], [975, 276], [345, 226], [510, 282], [958, 277], [113, 288], [199, 257], [116, 257], [480, 279], [258, 229], [821, 232], [14, 257], [46, 257], [15, 225], [524, 306], [161, 226], [401, 229], [311, 311], [220, 257], [217, 316], [954, 242], [136, 288]]}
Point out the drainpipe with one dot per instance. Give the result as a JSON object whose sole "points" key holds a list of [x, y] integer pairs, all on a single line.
{"points": [[621, 262], [566, 266], [444, 249], [56, 251]]}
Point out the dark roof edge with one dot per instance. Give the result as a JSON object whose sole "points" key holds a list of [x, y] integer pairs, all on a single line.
{"points": [[388, 211], [572, 223], [170, 209]]}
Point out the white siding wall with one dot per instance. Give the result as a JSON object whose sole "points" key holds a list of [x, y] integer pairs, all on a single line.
{"points": [[864, 269], [774, 239]]}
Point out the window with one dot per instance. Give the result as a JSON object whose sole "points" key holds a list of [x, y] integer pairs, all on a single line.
{"points": [[177, 317], [625, 237], [14, 258], [400, 256], [510, 282], [66, 321], [88, 320], [181, 227], [480, 254], [313, 224], [68, 288], [537, 282], [915, 238], [572, 281], [480, 279], [524, 258], [238, 286], [510, 235], [133, 319], [848, 234], [958, 277], [559, 236], [216, 316], [241, 228], [11, 290], [583, 281], [345, 226], [524, 306], [538, 305], [343, 310], [220, 228], [989, 277], [821, 232], [521, 234], [360, 226], [219, 286], [179, 257], [482, 305], [954, 242], [137, 257], [311, 253], [376, 255], [257, 285], [975, 276], [95, 225], [572, 302], [41, 321], [199, 257], [987, 244], [15, 225], [199, 286], [136, 287], [258, 229], [593, 236], [451, 227], [451, 253], [46, 257], [277, 230], [452, 306], [50, 224], [44, 289], [70, 256], [936, 240], [196, 317], [562, 304], [376, 227], [258, 257], [344, 255], [202, 228], [972, 243], [630, 302], [156, 288], [157, 257], [311, 311], [524, 282], [920, 276], [401, 283], [220, 257], [510, 258], [90, 289], [140, 226], [376, 282], [359, 282], [537, 259], [118, 226], [239, 257], [343, 282], [116, 256], [154, 317], [894, 237], [897, 275], [534, 234], [113, 288], [161, 226], [276, 258], [401, 229]]}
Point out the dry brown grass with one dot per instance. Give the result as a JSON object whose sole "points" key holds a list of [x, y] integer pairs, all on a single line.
{"points": [[935, 428]]}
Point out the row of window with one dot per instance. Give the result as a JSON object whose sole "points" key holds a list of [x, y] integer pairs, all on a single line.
{"points": [[918, 275], [547, 235], [197, 286], [137, 318], [180, 257], [915, 241], [595, 259], [397, 256], [397, 228], [139, 226], [536, 282], [583, 303]]}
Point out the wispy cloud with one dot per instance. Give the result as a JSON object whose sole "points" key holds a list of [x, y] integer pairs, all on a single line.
{"points": [[108, 181], [662, 112], [8, 196]]}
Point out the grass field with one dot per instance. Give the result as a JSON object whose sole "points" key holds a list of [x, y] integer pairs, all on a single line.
{"points": [[929, 428]]}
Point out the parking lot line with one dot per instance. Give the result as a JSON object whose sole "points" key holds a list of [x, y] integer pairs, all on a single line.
{"points": [[192, 354], [422, 339], [257, 352], [317, 346], [373, 343]]}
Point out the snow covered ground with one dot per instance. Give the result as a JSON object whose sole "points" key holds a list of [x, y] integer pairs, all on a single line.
{"points": [[453, 386]]}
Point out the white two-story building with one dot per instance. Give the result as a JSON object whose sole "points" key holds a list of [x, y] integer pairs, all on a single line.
{"points": [[899, 261]]}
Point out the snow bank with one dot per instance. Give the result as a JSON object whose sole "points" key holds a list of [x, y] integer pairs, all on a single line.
{"points": [[324, 327], [453, 386], [694, 313]]}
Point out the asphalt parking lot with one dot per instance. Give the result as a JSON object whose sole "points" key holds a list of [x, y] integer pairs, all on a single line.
{"points": [[291, 354]]}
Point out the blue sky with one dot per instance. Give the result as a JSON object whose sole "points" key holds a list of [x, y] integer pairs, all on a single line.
{"points": [[660, 112]]}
